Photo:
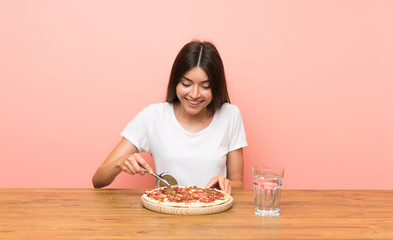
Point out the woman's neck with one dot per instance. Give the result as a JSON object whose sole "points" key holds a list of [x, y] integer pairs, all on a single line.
{"points": [[193, 122]]}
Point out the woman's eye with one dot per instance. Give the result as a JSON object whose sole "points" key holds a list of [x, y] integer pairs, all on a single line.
{"points": [[206, 87], [185, 84]]}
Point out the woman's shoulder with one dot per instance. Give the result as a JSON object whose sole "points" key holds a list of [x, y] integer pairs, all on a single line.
{"points": [[158, 108], [229, 108], [228, 111]]}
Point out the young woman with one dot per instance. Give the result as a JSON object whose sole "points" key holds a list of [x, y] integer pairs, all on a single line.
{"points": [[197, 136]]}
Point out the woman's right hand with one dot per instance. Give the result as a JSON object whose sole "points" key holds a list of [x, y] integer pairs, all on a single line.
{"points": [[132, 164], [124, 158]]}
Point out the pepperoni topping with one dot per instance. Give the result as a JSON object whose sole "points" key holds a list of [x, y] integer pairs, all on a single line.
{"points": [[185, 194]]}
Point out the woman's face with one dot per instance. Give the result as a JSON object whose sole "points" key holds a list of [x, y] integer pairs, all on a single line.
{"points": [[194, 91]]}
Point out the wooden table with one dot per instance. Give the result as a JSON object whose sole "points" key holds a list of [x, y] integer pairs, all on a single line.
{"points": [[118, 214]]}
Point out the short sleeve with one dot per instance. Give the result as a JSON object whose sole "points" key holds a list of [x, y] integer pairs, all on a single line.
{"points": [[137, 131], [238, 136]]}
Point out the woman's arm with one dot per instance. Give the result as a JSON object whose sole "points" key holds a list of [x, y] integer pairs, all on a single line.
{"points": [[235, 166], [234, 173], [124, 157]]}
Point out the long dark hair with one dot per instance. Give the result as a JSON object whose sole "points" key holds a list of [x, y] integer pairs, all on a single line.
{"points": [[206, 56]]}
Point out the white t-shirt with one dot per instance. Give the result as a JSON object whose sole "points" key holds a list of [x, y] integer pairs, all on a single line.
{"points": [[192, 158]]}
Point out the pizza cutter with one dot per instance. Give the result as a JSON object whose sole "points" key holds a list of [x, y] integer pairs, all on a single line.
{"points": [[163, 179]]}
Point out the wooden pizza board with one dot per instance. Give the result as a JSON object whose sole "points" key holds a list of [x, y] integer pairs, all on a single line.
{"points": [[185, 210]]}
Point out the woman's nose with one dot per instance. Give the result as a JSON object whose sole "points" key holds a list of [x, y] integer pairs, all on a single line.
{"points": [[195, 92]]}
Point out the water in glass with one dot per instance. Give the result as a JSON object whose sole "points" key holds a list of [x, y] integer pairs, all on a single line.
{"points": [[267, 191]]}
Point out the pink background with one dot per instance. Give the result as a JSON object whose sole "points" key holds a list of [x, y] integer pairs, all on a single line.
{"points": [[313, 79]]}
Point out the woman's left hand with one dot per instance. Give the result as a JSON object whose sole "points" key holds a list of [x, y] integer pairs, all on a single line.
{"points": [[220, 182]]}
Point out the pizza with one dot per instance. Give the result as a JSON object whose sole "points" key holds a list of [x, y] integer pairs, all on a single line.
{"points": [[186, 197]]}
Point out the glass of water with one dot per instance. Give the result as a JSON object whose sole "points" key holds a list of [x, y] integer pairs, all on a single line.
{"points": [[268, 180]]}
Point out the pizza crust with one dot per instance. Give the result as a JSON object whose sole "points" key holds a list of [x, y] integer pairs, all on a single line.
{"points": [[217, 202]]}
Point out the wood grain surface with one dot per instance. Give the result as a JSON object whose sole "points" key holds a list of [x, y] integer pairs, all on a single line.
{"points": [[119, 214]]}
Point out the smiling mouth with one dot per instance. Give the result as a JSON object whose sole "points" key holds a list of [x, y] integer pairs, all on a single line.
{"points": [[193, 103]]}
